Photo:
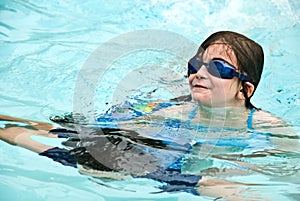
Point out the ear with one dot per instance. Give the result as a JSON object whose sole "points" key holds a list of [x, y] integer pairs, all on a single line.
{"points": [[249, 90]]}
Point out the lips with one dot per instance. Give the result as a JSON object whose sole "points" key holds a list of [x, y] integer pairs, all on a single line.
{"points": [[199, 86]]}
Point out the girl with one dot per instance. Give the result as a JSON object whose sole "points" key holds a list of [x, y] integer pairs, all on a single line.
{"points": [[223, 76]]}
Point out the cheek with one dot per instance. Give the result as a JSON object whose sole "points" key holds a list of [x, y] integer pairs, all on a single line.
{"points": [[234, 86], [227, 88], [221, 88]]}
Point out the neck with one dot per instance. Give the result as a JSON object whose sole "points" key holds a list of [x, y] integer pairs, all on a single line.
{"points": [[228, 112], [222, 116]]}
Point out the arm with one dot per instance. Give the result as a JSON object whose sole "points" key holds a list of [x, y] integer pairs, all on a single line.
{"points": [[22, 137], [35, 124], [227, 190]]}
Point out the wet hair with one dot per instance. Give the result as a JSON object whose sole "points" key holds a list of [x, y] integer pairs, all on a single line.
{"points": [[249, 55]]}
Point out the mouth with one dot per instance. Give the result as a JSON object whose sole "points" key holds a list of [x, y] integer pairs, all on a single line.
{"points": [[198, 86]]}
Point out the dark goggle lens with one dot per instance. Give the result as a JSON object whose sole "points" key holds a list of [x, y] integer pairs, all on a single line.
{"points": [[193, 66], [217, 69]]}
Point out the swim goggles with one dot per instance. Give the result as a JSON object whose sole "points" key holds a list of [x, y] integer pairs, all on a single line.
{"points": [[216, 67]]}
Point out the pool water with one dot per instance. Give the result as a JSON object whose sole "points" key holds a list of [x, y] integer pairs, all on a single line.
{"points": [[45, 45]]}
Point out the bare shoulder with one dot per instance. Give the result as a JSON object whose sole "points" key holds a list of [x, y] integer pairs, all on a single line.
{"points": [[282, 134], [264, 118], [267, 122]]}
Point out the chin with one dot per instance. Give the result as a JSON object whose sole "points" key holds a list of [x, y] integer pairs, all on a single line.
{"points": [[202, 100]]}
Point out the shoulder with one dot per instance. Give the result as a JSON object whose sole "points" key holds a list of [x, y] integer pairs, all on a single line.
{"points": [[266, 122], [280, 132], [264, 118]]}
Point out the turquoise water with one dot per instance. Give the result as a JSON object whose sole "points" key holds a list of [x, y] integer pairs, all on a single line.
{"points": [[44, 46]]}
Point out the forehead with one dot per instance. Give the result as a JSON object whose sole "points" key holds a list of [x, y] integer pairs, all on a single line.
{"points": [[221, 51]]}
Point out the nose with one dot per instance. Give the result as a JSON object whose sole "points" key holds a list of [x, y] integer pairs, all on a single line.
{"points": [[202, 73]]}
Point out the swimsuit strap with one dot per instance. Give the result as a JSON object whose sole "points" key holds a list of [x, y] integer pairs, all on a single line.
{"points": [[250, 119]]}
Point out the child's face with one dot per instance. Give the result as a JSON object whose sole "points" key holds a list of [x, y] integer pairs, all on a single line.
{"points": [[212, 91]]}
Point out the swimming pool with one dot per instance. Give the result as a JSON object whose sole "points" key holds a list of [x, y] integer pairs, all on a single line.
{"points": [[44, 46]]}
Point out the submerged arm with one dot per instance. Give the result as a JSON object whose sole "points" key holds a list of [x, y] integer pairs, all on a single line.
{"points": [[22, 137], [35, 124]]}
